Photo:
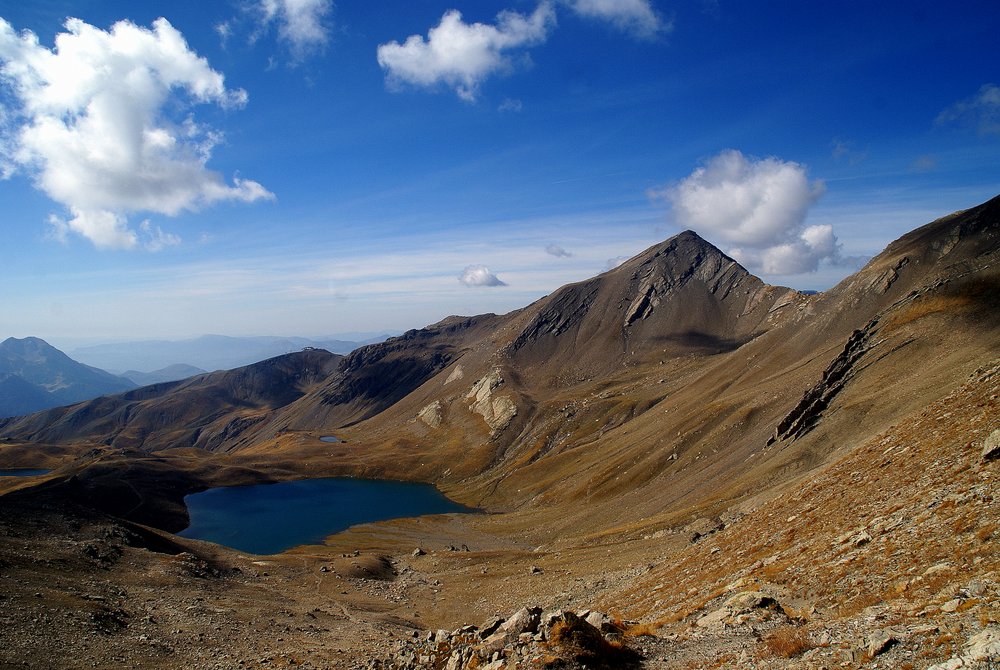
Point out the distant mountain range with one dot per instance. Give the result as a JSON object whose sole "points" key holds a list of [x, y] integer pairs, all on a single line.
{"points": [[208, 352], [171, 373], [35, 375]]}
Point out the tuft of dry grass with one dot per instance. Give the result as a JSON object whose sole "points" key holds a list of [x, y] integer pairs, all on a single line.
{"points": [[853, 606], [643, 629], [584, 644], [787, 642]]}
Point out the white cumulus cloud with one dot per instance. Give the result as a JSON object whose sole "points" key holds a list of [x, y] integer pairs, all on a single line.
{"points": [[104, 127], [461, 55], [479, 275], [981, 111], [636, 17], [300, 23], [755, 209]]}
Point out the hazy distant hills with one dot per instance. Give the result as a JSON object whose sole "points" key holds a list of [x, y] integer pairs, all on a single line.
{"points": [[35, 375], [171, 373], [208, 352], [208, 411]]}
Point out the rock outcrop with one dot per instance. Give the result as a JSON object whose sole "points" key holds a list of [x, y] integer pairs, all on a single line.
{"points": [[496, 409], [528, 638]]}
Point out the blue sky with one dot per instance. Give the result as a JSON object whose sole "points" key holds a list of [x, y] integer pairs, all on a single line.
{"points": [[302, 167]]}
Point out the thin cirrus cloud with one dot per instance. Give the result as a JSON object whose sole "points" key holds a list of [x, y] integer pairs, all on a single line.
{"points": [[479, 275], [92, 129], [301, 24], [756, 209], [635, 17], [461, 56], [981, 111]]}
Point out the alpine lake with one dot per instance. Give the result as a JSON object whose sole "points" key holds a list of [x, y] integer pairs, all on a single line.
{"points": [[270, 518]]}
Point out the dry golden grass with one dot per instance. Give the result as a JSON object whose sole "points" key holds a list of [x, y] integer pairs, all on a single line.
{"points": [[787, 642], [925, 307], [643, 629], [586, 645], [852, 606]]}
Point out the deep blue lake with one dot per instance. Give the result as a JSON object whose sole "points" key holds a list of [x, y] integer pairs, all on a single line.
{"points": [[269, 518], [23, 472]]}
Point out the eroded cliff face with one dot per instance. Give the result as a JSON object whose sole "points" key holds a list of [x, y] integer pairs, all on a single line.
{"points": [[486, 399]]}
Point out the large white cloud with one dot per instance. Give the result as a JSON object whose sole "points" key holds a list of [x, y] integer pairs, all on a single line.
{"points": [[103, 125], [636, 17], [300, 23], [755, 209], [461, 55], [479, 275]]}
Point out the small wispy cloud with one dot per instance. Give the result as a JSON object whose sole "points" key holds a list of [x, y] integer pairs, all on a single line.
{"points": [[846, 151], [981, 111], [479, 275], [301, 24], [635, 17], [224, 29], [557, 251], [612, 263], [462, 55], [154, 239], [509, 105], [924, 164]]}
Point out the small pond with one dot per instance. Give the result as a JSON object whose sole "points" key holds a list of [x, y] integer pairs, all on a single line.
{"points": [[23, 472], [330, 438], [270, 518]]}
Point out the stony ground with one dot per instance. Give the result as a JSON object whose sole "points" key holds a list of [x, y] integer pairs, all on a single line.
{"points": [[886, 558]]}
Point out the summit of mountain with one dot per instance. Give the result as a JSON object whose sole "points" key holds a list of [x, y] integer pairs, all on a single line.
{"points": [[682, 296]]}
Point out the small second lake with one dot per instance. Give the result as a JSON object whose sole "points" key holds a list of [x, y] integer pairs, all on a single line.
{"points": [[270, 518], [23, 472]]}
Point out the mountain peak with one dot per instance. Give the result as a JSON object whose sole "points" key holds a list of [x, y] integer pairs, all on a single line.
{"points": [[25, 342], [681, 295], [685, 246], [32, 348], [58, 377]]}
